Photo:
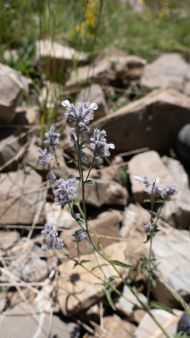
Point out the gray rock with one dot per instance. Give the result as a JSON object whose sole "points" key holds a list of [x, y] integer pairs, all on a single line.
{"points": [[52, 57], [11, 87], [184, 324], [94, 93], [102, 192], [183, 143], [171, 251], [20, 322], [9, 147], [153, 121], [22, 197], [177, 171], [168, 71]]}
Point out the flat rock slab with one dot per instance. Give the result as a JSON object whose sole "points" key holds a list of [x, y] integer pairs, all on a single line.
{"points": [[153, 121], [22, 197], [171, 251], [77, 288], [21, 322], [11, 86], [8, 239], [148, 328], [147, 164], [167, 71]]}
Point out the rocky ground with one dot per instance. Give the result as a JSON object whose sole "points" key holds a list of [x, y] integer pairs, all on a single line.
{"points": [[145, 110]]}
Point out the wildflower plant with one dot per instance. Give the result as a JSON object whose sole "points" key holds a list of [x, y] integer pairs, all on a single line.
{"points": [[65, 193]]}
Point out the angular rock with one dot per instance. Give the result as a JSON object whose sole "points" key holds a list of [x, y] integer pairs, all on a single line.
{"points": [[127, 301], [77, 288], [102, 192], [168, 71], [183, 143], [8, 239], [61, 217], [105, 228], [94, 93], [11, 86], [27, 115], [171, 251], [22, 197], [177, 211], [148, 328], [177, 171], [147, 164], [19, 322], [117, 66], [53, 57], [29, 268], [114, 326], [9, 147], [153, 121]]}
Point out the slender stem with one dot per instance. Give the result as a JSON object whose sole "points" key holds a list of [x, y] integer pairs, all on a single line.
{"points": [[91, 165]]}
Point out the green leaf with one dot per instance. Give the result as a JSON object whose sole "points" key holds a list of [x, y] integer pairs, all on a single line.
{"points": [[109, 298], [123, 265], [89, 181], [83, 261], [156, 305]]}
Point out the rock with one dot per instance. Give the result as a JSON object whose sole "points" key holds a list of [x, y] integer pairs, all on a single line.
{"points": [[3, 301], [11, 87], [94, 93], [113, 326], [77, 288], [127, 301], [8, 239], [19, 322], [9, 147], [148, 328], [113, 66], [105, 228], [177, 211], [153, 121], [27, 115], [22, 197], [177, 171], [61, 217], [171, 251], [168, 71], [53, 57], [183, 143], [102, 192], [147, 164]]}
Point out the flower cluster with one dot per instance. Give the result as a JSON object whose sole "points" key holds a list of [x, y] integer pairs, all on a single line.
{"points": [[51, 177], [148, 226], [44, 157], [65, 192], [52, 240], [81, 115], [99, 143], [80, 235], [52, 137], [156, 189]]}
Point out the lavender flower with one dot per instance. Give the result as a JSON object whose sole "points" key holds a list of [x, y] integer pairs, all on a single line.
{"points": [[44, 157], [52, 138], [51, 177], [99, 143], [52, 240], [80, 235], [156, 189], [149, 226], [65, 192], [81, 115]]}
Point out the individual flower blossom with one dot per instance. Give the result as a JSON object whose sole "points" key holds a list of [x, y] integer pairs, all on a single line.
{"points": [[44, 157], [65, 192], [80, 235], [51, 177], [99, 143], [81, 115], [154, 188], [52, 240], [52, 137], [149, 226]]}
